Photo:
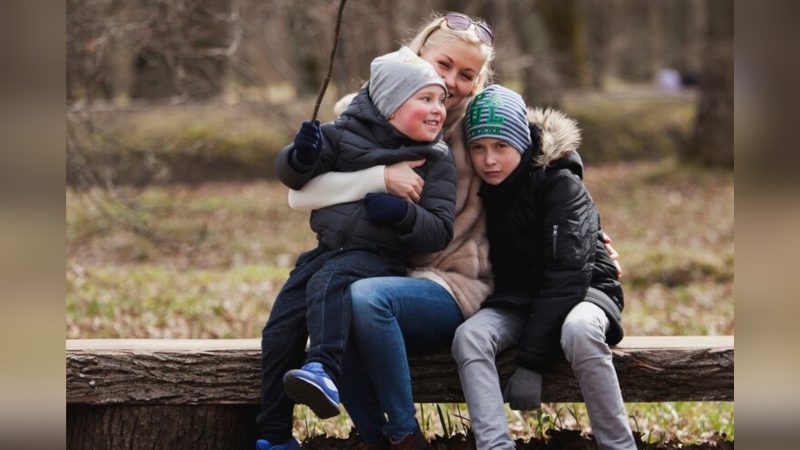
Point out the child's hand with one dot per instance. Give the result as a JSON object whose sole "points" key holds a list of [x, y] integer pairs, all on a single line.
{"points": [[385, 209], [524, 390], [308, 142]]}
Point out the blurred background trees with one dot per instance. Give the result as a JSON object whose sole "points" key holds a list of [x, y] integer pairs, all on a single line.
{"points": [[168, 48], [664, 68]]}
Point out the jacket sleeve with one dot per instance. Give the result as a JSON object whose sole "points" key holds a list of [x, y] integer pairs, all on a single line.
{"points": [[428, 224], [332, 188], [294, 173], [569, 233]]}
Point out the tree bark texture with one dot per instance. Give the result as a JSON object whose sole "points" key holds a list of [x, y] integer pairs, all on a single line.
{"points": [[203, 394], [219, 372], [215, 427], [712, 143]]}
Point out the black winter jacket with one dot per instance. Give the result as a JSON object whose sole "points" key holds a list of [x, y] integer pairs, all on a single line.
{"points": [[546, 248], [361, 138]]}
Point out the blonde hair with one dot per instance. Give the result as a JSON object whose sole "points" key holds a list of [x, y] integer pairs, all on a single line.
{"points": [[433, 33]]}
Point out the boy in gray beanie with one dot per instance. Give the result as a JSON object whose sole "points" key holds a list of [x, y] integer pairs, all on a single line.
{"points": [[397, 116], [556, 288]]}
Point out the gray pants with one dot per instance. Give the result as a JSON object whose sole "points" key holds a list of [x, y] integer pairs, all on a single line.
{"points": [[490, 331]]}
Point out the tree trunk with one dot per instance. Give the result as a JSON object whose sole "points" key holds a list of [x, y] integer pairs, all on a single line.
{"points": [[155, 427], [685, 34], [304, 38], [180, 372], [600, 20], [203, 394], [712, 141], [635, 61], [541, 84], [565, 24]]}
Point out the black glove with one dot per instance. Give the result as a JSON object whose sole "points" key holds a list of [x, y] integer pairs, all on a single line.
{"points": [[524, 390], [308, 142], [385, 209]]}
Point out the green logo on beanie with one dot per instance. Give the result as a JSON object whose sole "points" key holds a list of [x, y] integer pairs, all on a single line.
{"points": [[500, 113], [489, 102]]}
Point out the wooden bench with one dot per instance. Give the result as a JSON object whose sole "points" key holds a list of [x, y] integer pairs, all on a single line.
{"points": [[197, 393]]}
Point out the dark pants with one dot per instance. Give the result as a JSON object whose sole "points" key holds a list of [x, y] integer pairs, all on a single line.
{"points": [[314, 303]]}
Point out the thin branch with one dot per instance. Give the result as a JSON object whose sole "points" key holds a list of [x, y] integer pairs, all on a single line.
{"points": [[330, 61]]}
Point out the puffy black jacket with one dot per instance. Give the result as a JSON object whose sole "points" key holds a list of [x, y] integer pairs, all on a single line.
{"points": [[362, 138], [546, 250]]}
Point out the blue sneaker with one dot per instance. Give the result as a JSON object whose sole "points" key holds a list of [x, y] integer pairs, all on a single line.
{"points": [[291, 444], [311, 386]]}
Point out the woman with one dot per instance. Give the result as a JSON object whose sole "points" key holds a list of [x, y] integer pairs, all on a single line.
{"points": [[453, 282], [396, 316], [393, 316]]}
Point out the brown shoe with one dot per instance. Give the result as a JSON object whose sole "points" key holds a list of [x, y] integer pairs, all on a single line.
{"points": [[412, 441]]}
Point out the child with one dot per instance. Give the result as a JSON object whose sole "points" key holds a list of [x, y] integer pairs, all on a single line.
{"points": [[397, 116], [555, 285]]}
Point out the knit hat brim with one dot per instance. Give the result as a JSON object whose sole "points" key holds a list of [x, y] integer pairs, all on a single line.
{"points": [[500, 113]]}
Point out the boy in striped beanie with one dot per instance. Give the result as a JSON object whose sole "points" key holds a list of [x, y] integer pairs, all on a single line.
{"points": [[556, 288]]}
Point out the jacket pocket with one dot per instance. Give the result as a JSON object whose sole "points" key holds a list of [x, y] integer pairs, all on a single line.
{"points": [[555, 240], [570, 242]]}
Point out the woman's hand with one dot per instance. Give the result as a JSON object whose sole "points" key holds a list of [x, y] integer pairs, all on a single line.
{"points": [[612, 253], [402, 181]]}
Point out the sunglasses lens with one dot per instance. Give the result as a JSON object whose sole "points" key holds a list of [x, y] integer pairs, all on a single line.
{"points": [[461, 22], [458, 21], [485, 35]]}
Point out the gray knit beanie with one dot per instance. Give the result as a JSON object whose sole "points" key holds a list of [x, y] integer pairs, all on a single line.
{"points": [[499, 113], [396, 76]]}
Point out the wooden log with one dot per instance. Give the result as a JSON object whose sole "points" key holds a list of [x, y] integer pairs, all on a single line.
{"points": [[157, 426], [226, 372]]}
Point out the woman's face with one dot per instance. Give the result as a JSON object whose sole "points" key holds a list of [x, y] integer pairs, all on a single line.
{"points": [[458, 63]]}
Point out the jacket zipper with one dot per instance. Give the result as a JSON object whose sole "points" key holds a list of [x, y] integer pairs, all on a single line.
{"points": [[555, 238]]}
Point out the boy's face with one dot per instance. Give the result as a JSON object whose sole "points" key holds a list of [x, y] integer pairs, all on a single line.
{"points": [[493, 159], [421, 117]]}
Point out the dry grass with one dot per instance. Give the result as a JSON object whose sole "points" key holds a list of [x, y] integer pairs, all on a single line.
{"points": [[230, 246], [673, 226]]}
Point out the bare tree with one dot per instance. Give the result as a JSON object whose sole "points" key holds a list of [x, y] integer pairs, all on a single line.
{"points": [[712, 140], [164, 48], [541, 83], [185, 52], [566, 26], [599, 22]]}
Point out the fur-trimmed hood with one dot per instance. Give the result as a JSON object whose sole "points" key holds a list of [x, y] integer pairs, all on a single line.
{"points": [[559, 135]]}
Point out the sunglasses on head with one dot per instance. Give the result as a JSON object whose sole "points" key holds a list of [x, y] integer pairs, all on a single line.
{"points": [[462, 22]]}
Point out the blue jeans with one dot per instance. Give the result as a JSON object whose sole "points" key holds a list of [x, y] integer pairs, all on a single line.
{"points": [[392, 317], [314, 303]]}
